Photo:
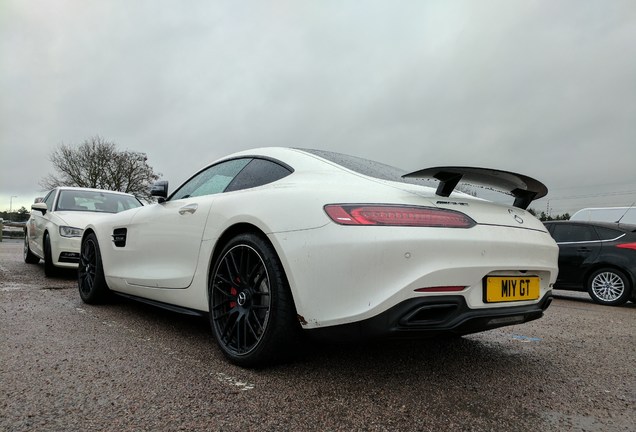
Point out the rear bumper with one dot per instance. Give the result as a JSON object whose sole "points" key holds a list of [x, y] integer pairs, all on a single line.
{"points": [[350, 275], [433, 316]]}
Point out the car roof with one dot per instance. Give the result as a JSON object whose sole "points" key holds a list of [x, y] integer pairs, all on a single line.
{"points": [[74, 188]]}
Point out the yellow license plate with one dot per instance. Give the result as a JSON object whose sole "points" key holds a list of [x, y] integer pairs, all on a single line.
{"points": [[512, 288]]}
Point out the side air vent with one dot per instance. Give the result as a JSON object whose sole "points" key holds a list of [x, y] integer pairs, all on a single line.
{"points": [[119, 237]]}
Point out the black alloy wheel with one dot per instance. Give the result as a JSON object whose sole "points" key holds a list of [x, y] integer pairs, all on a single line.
{"points": [[251, 309], [90, 274], [29, 257]]}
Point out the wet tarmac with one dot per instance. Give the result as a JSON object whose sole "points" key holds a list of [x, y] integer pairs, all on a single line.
{"points": [[67, 366]]}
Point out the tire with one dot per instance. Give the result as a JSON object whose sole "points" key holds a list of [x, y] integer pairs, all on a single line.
{"points": [[29, 258], [90, 274], [608, 286], [49, 269], [252, 312]]}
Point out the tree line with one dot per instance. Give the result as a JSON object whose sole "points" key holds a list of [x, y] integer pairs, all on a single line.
{"points": [[20, 215], [97, 163], [543, 217]]}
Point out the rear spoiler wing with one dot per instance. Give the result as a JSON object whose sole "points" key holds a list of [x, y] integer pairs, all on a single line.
{"points": [[525, 189]]}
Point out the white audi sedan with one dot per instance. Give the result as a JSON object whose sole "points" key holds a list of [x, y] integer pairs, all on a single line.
{"points": [[54, 230], [276, 242]]}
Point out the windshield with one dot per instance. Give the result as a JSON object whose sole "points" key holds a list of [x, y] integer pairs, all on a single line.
{"points": [[95, 201]]}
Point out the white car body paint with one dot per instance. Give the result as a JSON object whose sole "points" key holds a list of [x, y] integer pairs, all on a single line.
{"points": [[337, 274], [49, 223]]}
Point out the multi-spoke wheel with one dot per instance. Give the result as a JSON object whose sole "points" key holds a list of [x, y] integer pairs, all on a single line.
{"points": [[609, 287], [29, 257], [90, 274], [251, 309]]}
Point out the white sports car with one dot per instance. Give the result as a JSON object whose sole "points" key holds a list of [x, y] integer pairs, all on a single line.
{"points": [[270, 241], [54, 230]]}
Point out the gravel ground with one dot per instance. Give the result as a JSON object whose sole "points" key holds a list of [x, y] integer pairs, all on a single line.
{"points": [[67, 366]]}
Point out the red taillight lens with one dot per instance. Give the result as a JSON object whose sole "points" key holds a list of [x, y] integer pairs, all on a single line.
{"points": [[390, 215], [627, 246]]}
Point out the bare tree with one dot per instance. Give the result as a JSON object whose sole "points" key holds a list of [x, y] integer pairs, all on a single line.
{"points": [[96, 163]]}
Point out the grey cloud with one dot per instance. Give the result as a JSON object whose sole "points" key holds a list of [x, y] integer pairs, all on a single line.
{"points": [[544, 88]]}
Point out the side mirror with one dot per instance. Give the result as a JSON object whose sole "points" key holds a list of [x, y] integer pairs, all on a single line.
{"points": [[160, 190], [41, 207]]}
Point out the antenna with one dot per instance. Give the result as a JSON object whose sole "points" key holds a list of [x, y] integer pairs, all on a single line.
{"points": [[628, 209]]}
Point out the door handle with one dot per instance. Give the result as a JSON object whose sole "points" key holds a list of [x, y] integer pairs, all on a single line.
{"points": [[190, 208]]}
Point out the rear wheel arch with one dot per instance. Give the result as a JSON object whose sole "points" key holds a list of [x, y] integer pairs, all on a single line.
{"points": [[238, 229], [229, 234], [281, 326], [605, 265], [29, 256]]}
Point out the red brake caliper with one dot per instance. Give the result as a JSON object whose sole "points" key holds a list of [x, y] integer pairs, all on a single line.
{"points": [[234, 293]]}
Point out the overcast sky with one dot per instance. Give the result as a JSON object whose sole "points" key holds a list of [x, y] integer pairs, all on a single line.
{"points": [[544, 88]]}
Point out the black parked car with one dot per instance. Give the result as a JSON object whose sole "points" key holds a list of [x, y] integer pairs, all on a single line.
{"points": [[598, 257]]}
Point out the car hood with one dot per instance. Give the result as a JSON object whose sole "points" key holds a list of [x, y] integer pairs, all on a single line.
{"points": [[79, 219]]}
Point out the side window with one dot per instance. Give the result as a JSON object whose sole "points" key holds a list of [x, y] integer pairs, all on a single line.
{"points": [[564, 233], [212, 180], [608, 233], [257, 173], [48, 200]]}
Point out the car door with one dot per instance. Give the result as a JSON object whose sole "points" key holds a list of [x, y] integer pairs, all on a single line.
{"points": [[164, 240], [579, 245], [38, 223]]}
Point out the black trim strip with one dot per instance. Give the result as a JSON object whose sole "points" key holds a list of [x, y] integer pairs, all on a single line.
{"points": [[432, 316], [166, 306]]}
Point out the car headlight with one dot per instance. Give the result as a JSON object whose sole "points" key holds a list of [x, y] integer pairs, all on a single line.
{"points": [[67, 231]]}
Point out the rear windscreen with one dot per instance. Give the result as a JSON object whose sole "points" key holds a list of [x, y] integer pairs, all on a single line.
{"points": [[364, 166]]}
